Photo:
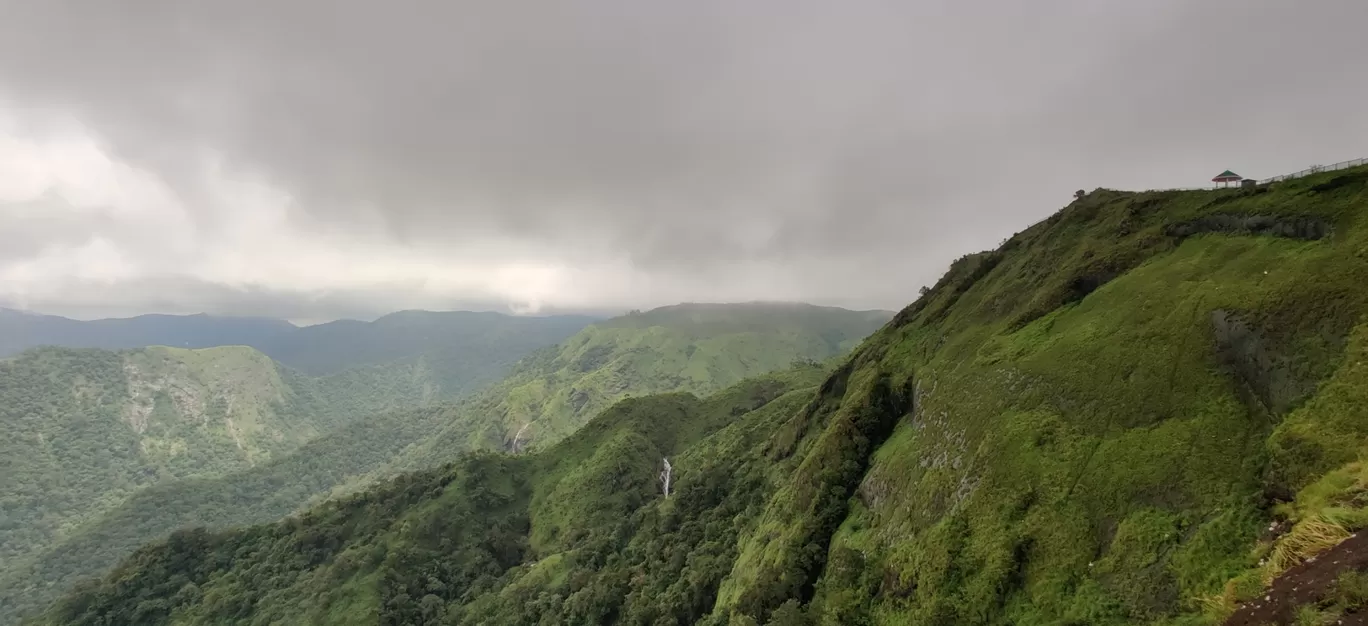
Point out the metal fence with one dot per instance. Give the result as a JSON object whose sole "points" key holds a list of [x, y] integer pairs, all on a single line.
{"points": [[1316, 169], [1202, 188]]}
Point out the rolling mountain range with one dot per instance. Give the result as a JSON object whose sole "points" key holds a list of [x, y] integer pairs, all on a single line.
{"points": [[1146, 409], [290, 439], [466, 349], [20, 330]]}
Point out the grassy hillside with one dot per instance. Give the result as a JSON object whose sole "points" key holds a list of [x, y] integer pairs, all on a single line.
{"points": [[1138, 411], [1101, 416], [689, 348], [1107, 409]]}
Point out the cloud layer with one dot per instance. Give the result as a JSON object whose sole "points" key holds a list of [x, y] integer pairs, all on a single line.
{"points": [[321, 159]]}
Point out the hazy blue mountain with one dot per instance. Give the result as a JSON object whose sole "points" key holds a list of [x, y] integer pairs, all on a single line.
{"points": [[20, 330], [463, 349], [473, 338]]}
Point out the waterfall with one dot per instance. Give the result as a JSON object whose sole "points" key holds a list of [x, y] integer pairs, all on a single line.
{"points": [[517, 439], [665, 476]]}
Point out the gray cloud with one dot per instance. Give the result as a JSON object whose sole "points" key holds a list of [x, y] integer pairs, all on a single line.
{"points": [[181, 295], [838, 152]]}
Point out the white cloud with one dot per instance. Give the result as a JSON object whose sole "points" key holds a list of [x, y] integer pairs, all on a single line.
{"points": [[99, 221], [136, 227]]}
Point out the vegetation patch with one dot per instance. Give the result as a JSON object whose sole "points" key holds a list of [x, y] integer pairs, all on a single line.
{"points": [[1307, 227]]}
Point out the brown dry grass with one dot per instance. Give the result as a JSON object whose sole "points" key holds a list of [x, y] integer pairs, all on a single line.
{"points": [[1308, 538]]}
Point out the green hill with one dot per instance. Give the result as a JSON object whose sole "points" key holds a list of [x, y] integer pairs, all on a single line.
{"points": [[1138, 411], [468, 349], [461, 350], [695, 348], [690, 348], [87, 428]]}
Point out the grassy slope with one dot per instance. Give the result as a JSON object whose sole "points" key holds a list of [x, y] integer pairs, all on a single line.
{"points": [[1077, 456], [557, 389]]}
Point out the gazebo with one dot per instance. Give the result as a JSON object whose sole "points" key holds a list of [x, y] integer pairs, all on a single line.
{"points": [[1225, 178]]}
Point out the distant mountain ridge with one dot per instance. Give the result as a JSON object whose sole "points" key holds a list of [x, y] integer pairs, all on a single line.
{"points": [[317, 350], [331, 347], [21, 330], [461, 350]]}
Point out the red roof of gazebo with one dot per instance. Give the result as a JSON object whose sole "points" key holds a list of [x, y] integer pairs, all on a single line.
{"points": [[1226, 176]]}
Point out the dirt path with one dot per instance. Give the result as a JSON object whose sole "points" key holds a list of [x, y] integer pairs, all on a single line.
{"points": [[1305, 584]]}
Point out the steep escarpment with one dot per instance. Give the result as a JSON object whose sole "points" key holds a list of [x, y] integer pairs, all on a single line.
{"points": [[84, 428], [89, 430], [1143, 409]]}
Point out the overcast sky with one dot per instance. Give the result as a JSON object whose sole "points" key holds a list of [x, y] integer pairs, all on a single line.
{"points": [[314, 159]]}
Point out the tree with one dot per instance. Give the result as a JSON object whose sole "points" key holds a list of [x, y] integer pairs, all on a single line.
{"points": [[790, 613], [431, 608]]}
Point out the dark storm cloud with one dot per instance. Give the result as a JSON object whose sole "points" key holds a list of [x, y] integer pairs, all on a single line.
{"points": [[851, 147]]}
